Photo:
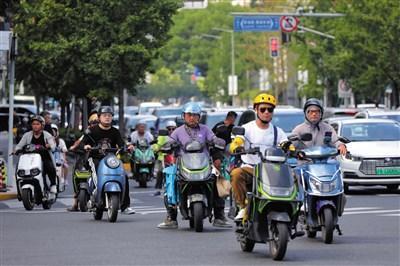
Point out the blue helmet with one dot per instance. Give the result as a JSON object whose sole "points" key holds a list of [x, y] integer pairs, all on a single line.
{"points": [[193, 108]]}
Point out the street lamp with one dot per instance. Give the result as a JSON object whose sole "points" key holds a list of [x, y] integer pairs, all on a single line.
{"points": [[233, 81]]}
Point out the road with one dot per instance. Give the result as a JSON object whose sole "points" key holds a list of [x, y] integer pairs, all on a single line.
{"points": [[371, 228]]}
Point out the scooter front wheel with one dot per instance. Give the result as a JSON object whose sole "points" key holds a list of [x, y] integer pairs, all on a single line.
{"points": [[27, 199], [113, 207], [197, 212], [327, 227], [279, 241], [247, 245]]}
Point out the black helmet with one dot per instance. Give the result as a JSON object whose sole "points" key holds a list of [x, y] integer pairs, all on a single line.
{"points": [[38, 118], [313, 101], [106, 109]]}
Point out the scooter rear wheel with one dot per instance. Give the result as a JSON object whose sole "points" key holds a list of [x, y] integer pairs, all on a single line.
{"points": [[143, 180], [83, 199], [27, 199], [98, 213]]}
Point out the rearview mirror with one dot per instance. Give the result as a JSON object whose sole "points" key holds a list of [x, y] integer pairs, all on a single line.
{"points": [[163, 132], [344, 139], [306, 137], [238, 131]]}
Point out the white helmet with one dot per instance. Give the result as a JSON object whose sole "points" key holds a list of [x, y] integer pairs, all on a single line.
{"points": [[170, 123]]}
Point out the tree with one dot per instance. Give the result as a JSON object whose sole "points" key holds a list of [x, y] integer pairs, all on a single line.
{"points": [[77, 47]]}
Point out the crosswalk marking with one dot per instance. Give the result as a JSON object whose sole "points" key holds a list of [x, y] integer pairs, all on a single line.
{"points": [[371, 212]]}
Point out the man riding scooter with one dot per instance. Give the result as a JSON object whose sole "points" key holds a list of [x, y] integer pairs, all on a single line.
{"points": [[259, 133], [40, 137], [105, 132], [184, 134]]}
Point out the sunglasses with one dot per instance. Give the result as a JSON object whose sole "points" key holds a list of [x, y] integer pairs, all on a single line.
{"points": [[263, 109], [171, 129]]}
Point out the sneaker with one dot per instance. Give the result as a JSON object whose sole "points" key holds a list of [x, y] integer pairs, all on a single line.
{"points": [[53, 189], [168, 224], [221, 223], [128, 211], [240, 215]]}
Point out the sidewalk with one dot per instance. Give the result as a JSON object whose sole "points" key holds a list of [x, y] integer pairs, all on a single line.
{"points": [[8, 195]]}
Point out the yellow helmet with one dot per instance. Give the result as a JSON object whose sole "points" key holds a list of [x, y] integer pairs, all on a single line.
{"points": [[236, 143], [93, 118], [264, 98]]}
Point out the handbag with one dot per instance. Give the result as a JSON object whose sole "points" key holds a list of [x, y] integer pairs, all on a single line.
{"points": [[223, 185]]}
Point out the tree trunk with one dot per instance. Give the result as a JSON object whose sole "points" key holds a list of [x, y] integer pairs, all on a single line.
{"points": [[121, 111], [62, 114], [395, 95]]}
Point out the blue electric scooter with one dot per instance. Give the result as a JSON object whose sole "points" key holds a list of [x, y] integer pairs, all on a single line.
{"points": [[107, 185], [322, 183]]}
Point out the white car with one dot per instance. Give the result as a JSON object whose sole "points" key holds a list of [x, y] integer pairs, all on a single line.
{"points": [[374, 152]]}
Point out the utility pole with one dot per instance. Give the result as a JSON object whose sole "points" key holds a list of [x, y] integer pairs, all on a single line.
{"points": [[10, 165]]}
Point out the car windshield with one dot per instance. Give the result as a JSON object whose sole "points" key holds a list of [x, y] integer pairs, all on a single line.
{"points": [[287, 121], [385, 116], [371, 132]]}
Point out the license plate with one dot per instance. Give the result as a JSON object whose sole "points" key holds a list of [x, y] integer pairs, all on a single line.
{"points": [[387, 170]]}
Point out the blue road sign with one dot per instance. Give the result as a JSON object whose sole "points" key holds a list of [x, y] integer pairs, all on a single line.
{"points": [[256, 23]]}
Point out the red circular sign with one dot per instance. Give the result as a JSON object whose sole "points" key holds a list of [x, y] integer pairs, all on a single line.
{"points": [[288, 23]]}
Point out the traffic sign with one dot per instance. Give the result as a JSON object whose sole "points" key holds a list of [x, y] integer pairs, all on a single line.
{"points": [[288, 23], [256, 23]]}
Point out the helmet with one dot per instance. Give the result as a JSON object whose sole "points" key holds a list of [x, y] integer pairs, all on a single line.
{"points": [[54, 126], [170, 123], [313, 101], [193, 108], [38, 118], [264, 98], [93, 117], [106, 109]]}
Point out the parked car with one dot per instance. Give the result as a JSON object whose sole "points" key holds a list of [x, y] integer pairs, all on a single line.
{"points": [[288, 118], [131, 110], [374, 152], [212, 118], [148, 107], [339, 112], [162, 120], [131, 122], [379, 113], [170, 110], [285, 117]]}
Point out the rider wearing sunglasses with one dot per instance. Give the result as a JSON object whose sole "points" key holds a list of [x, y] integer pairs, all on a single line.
{"points": [[259, 133]]}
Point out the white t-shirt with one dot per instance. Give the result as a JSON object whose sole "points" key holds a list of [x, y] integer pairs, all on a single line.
{"points": [[263, 138], [61, 145], [135, 137]]}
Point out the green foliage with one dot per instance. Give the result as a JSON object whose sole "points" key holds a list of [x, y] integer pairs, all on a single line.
{"points": [[76, 47], [365, 51]]}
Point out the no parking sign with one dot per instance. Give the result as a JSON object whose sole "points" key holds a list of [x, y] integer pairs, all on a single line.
{"points": [[288, 23]]}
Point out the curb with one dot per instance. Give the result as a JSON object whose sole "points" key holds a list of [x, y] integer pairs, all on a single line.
{"points": [[7, 195]]}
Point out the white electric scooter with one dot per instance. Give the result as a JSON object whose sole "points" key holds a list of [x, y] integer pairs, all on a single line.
{"points": [[32, 186]]}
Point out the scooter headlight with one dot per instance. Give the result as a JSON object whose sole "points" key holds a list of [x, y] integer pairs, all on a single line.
{"points": [[112, 162], [278, 192], [21, 172], [324, 186], [35, 171]]}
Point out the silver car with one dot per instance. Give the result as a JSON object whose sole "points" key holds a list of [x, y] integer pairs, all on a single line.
{"points": [[374, 152]]}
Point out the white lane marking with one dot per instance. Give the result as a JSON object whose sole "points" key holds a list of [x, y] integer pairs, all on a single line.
{"points": [[361, 208], [392, 214], [388, 195], [371, 212]]}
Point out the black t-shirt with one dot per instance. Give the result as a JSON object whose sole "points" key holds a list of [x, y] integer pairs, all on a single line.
{"points": [[226, 134], [39, 141], [98, 135]]}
